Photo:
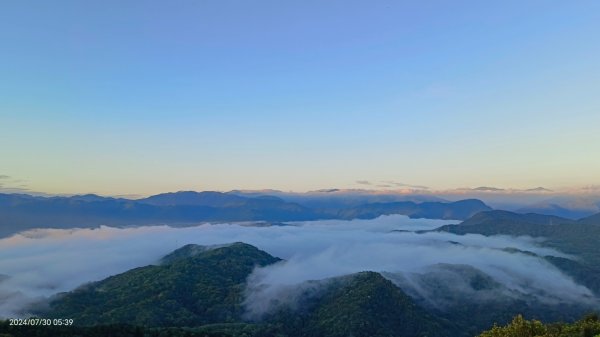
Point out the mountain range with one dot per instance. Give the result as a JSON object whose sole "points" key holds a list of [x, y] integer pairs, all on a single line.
{"points": [[21, 212], [201, 291], [198, 286], [204, 288], [572, 207]]}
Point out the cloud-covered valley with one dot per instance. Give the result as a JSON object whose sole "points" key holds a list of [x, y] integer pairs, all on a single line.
{"points": [[39, 263]]}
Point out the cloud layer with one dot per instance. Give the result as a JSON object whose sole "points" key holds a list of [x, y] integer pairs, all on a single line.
{"points": [[39, 263]]}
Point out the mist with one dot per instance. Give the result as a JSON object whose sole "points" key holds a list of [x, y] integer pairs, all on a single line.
{"points": [[37, 264]]}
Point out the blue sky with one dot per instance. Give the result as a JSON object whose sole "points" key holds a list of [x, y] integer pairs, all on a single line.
{"points": [[119, 97]]}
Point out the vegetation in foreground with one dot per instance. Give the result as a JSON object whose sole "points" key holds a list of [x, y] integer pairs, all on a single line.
{"points": [[588, 326]]}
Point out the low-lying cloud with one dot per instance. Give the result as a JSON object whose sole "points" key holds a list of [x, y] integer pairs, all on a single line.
{"points": [[40, 263]]}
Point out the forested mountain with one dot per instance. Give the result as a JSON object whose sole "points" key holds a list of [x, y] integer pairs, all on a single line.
{"points": [[196, 286], [202, 291], [192, 287], [505, 218], [363, 304], [588, 326], [578, 238], [199, 291]]}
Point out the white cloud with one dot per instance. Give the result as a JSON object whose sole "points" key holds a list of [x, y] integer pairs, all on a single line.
{"points": [[42, 262]]}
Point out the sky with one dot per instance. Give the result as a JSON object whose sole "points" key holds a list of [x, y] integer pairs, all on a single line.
{"points": [[141, 97]]}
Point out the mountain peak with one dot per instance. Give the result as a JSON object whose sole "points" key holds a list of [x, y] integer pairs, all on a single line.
{"points": [[507, 216], [195, 285], [186, 251], [90, 197], [193, 198]]}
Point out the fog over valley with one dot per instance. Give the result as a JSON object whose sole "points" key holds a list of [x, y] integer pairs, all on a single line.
{"points": [[39, 263], [300, 168]]}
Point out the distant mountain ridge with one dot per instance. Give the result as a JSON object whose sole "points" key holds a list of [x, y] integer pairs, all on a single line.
{"points": [[457, 210], [574, 207], [591, 220], [506, 216], [21, 212], [206, 198], [510, 223]]}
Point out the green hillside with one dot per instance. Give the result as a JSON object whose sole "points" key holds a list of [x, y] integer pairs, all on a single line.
{"points": [[199, 291], [589, 326], [578, 238], [370, 305], [202, 288], [190, 290]]}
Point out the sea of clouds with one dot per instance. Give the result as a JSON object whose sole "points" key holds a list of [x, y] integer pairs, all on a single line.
{"points": [[36, 264]]}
